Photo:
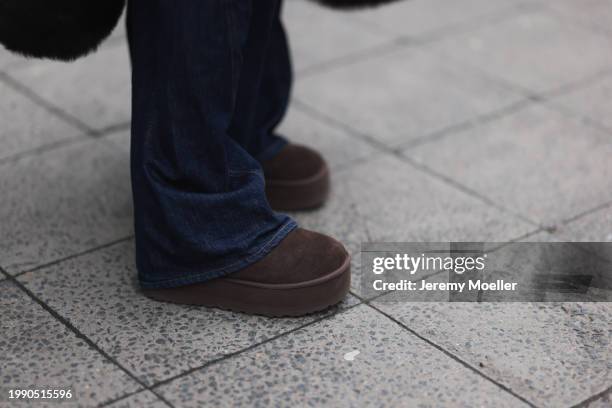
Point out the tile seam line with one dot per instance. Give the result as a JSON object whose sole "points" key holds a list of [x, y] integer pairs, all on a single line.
{"points": [[80, 335], [75, 255], [585, 213], [152, 387], [465, 189], [453, 357], [67, 142], [593, 398], [403, 42], [36, 151], [121, 398], [237, 353], [321, 117], [50, 107], [548, 99], [465, 125]]}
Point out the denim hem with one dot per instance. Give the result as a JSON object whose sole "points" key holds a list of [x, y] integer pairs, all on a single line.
{"points": [[273, 149], [260, 253]]}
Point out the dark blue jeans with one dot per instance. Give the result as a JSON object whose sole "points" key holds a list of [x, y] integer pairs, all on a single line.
{"points": [[210, 82]]}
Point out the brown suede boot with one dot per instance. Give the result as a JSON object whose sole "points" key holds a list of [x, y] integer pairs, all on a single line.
{"points": [[297, 178], [307, 272]]}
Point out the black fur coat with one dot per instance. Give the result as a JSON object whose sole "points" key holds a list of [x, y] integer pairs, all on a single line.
{"points": [[68, 29]]}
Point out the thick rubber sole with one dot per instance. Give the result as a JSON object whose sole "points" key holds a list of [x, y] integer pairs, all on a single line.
{"points": [[272, 300], [295, 195]]}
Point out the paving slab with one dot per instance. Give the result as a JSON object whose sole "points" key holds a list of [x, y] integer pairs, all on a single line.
{"points": [[553, 354], [403, 96], [318, 35], [590, 101], [307, 368], [40, 352], [141, 399], [385, 199], [540, 163], [95, 89], [27, 126], [153, 340], [538, 51], [337, 146], [421, 18], [62, 202]]}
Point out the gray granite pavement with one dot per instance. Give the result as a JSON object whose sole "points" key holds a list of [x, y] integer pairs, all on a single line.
{"points": [[480, 120]]}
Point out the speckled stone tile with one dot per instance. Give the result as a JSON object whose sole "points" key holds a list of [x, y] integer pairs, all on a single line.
{"points": [[536, 51], [154, 340], [591, 101], [337, 146], [419, 18], [307, 368], [27, 126], [536, 161], [403, 96], [385, 199], [318, 35], [63, 202], [95, 89], [142, 399], [39, 351], [553, 354]]}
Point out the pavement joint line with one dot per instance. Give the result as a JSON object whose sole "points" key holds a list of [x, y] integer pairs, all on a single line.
{"points": [[453, 357], [49, 147], [586, 213], [349, 164], [48, 106], [467, 190], [75, 255], [401, 42], [547, 98], [80, 335], [326, 119], [585, 120], [131, 394], [576, 85], [44, 148], [465, 125], [150, 387], [593, 398], [114, 128], [313, 113], [120, 398], [251, 347]]}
